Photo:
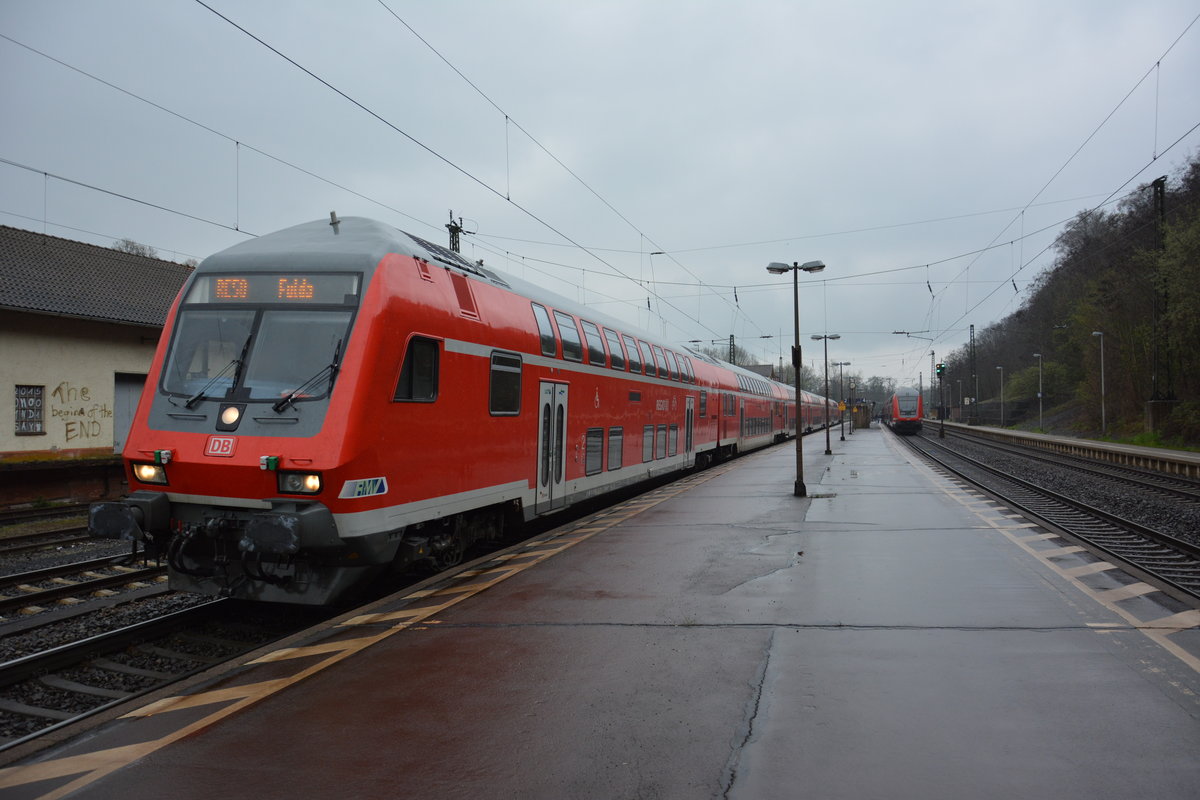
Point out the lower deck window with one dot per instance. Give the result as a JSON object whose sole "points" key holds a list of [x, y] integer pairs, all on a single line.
{"points": [[504, 394], [660, 444], [593, 460], [648, 443], [616, 446]]}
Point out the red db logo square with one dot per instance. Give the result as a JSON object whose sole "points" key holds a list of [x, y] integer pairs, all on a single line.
{"points": [[220, 446]]}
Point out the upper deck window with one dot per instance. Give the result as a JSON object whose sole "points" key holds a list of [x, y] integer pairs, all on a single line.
{"points": [[614, 349], [572, 343], [671, 366], [685, 364], [595, 343], [648, 358], [545, 331], [631, 347]]}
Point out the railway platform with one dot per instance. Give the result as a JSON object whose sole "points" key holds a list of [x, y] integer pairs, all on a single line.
{"points": [[893, 635]]}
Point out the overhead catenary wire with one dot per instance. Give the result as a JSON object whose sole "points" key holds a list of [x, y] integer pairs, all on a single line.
{"points": [[266, 154], [508, 119], [447, 161]]}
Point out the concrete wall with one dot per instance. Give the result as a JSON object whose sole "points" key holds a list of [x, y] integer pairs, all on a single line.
{"points": [[78, 363]]}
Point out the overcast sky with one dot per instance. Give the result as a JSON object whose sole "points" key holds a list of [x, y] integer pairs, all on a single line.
{"points": [[895, 141]]}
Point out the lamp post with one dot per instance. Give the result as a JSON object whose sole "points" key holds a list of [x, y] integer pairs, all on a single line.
{"points": [[1038, 356], [1001, 396], [1103, 420], [777, 268], [960, 407], [826, 338], [852, 406], [842, 394]]}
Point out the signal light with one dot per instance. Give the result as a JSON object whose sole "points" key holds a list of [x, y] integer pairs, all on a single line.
{"points": [[941, 368]]}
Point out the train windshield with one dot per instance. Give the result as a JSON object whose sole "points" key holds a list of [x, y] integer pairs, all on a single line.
{"points": [[906, 404], [242, 348]]}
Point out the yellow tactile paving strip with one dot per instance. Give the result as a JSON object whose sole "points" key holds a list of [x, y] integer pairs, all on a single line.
{"points": [[89, 767]]}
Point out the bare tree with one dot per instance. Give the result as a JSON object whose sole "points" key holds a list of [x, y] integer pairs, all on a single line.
{"points": [[135, 248]]}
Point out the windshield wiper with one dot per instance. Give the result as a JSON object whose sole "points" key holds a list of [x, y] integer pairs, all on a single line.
{"points": [[330, 369], [238, 362]]}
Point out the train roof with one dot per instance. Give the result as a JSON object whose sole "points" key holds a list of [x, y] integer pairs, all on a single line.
{"points": [[359, 243]]}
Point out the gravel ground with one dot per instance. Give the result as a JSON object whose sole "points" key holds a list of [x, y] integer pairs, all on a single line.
{"points": [[72, 630], [13, 563], [1159, 512]]}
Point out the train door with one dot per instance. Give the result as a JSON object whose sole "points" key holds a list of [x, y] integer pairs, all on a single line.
{"points": [[552, 442], [689, 422]]}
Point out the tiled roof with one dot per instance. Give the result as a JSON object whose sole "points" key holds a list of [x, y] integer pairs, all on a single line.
{"points": [[49, 275]]}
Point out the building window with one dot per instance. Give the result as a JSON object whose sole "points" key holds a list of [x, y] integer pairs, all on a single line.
{"points": [[30, 417], [616, 447], [504, 396], [593, 456], [419, 375]]}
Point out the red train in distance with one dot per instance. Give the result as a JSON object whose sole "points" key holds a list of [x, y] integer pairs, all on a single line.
{"points": [[342, 398], [904, 410]]}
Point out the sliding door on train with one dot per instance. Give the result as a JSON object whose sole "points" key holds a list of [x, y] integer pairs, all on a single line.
{"points": [[552, 437]]}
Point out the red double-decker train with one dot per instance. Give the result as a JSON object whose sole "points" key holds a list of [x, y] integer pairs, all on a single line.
{"points": [[342, 398], [904, 410]]}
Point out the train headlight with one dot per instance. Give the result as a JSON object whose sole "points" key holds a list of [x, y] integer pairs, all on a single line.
{"points": [[150, 473], [299, 482]]}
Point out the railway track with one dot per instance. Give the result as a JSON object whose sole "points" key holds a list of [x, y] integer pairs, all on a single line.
{"points": [[26, 516], [63, 685], [1164, 560], [1146, 480], [30, 592], [32, 542]]}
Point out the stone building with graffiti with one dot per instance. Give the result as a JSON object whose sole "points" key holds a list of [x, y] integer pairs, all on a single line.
{"points": [[78, 328]]}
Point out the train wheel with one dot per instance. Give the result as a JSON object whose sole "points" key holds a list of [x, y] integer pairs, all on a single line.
{"points": [[447, 550]]}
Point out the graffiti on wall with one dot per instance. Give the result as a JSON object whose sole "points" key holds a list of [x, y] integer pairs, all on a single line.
{"points": [[83, 419]]}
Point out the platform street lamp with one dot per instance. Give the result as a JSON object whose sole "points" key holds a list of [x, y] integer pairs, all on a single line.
{"points": [[1103, 420], [842, 394], [777, 268], [851, 404], [1038, 356], [826, 338], [1001, 396]]}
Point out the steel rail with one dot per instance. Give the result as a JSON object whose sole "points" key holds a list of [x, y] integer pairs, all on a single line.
{"points": [[1170, 563], [1171, 485], [77, 589]]}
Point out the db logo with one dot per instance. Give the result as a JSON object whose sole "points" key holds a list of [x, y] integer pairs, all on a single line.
{"points": [[220, 446]]}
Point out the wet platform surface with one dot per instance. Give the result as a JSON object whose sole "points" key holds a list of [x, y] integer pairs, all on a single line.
{"points": [[891, 636]]}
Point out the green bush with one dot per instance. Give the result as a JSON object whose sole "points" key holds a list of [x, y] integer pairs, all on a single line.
{"points": [[1183, 425]]}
